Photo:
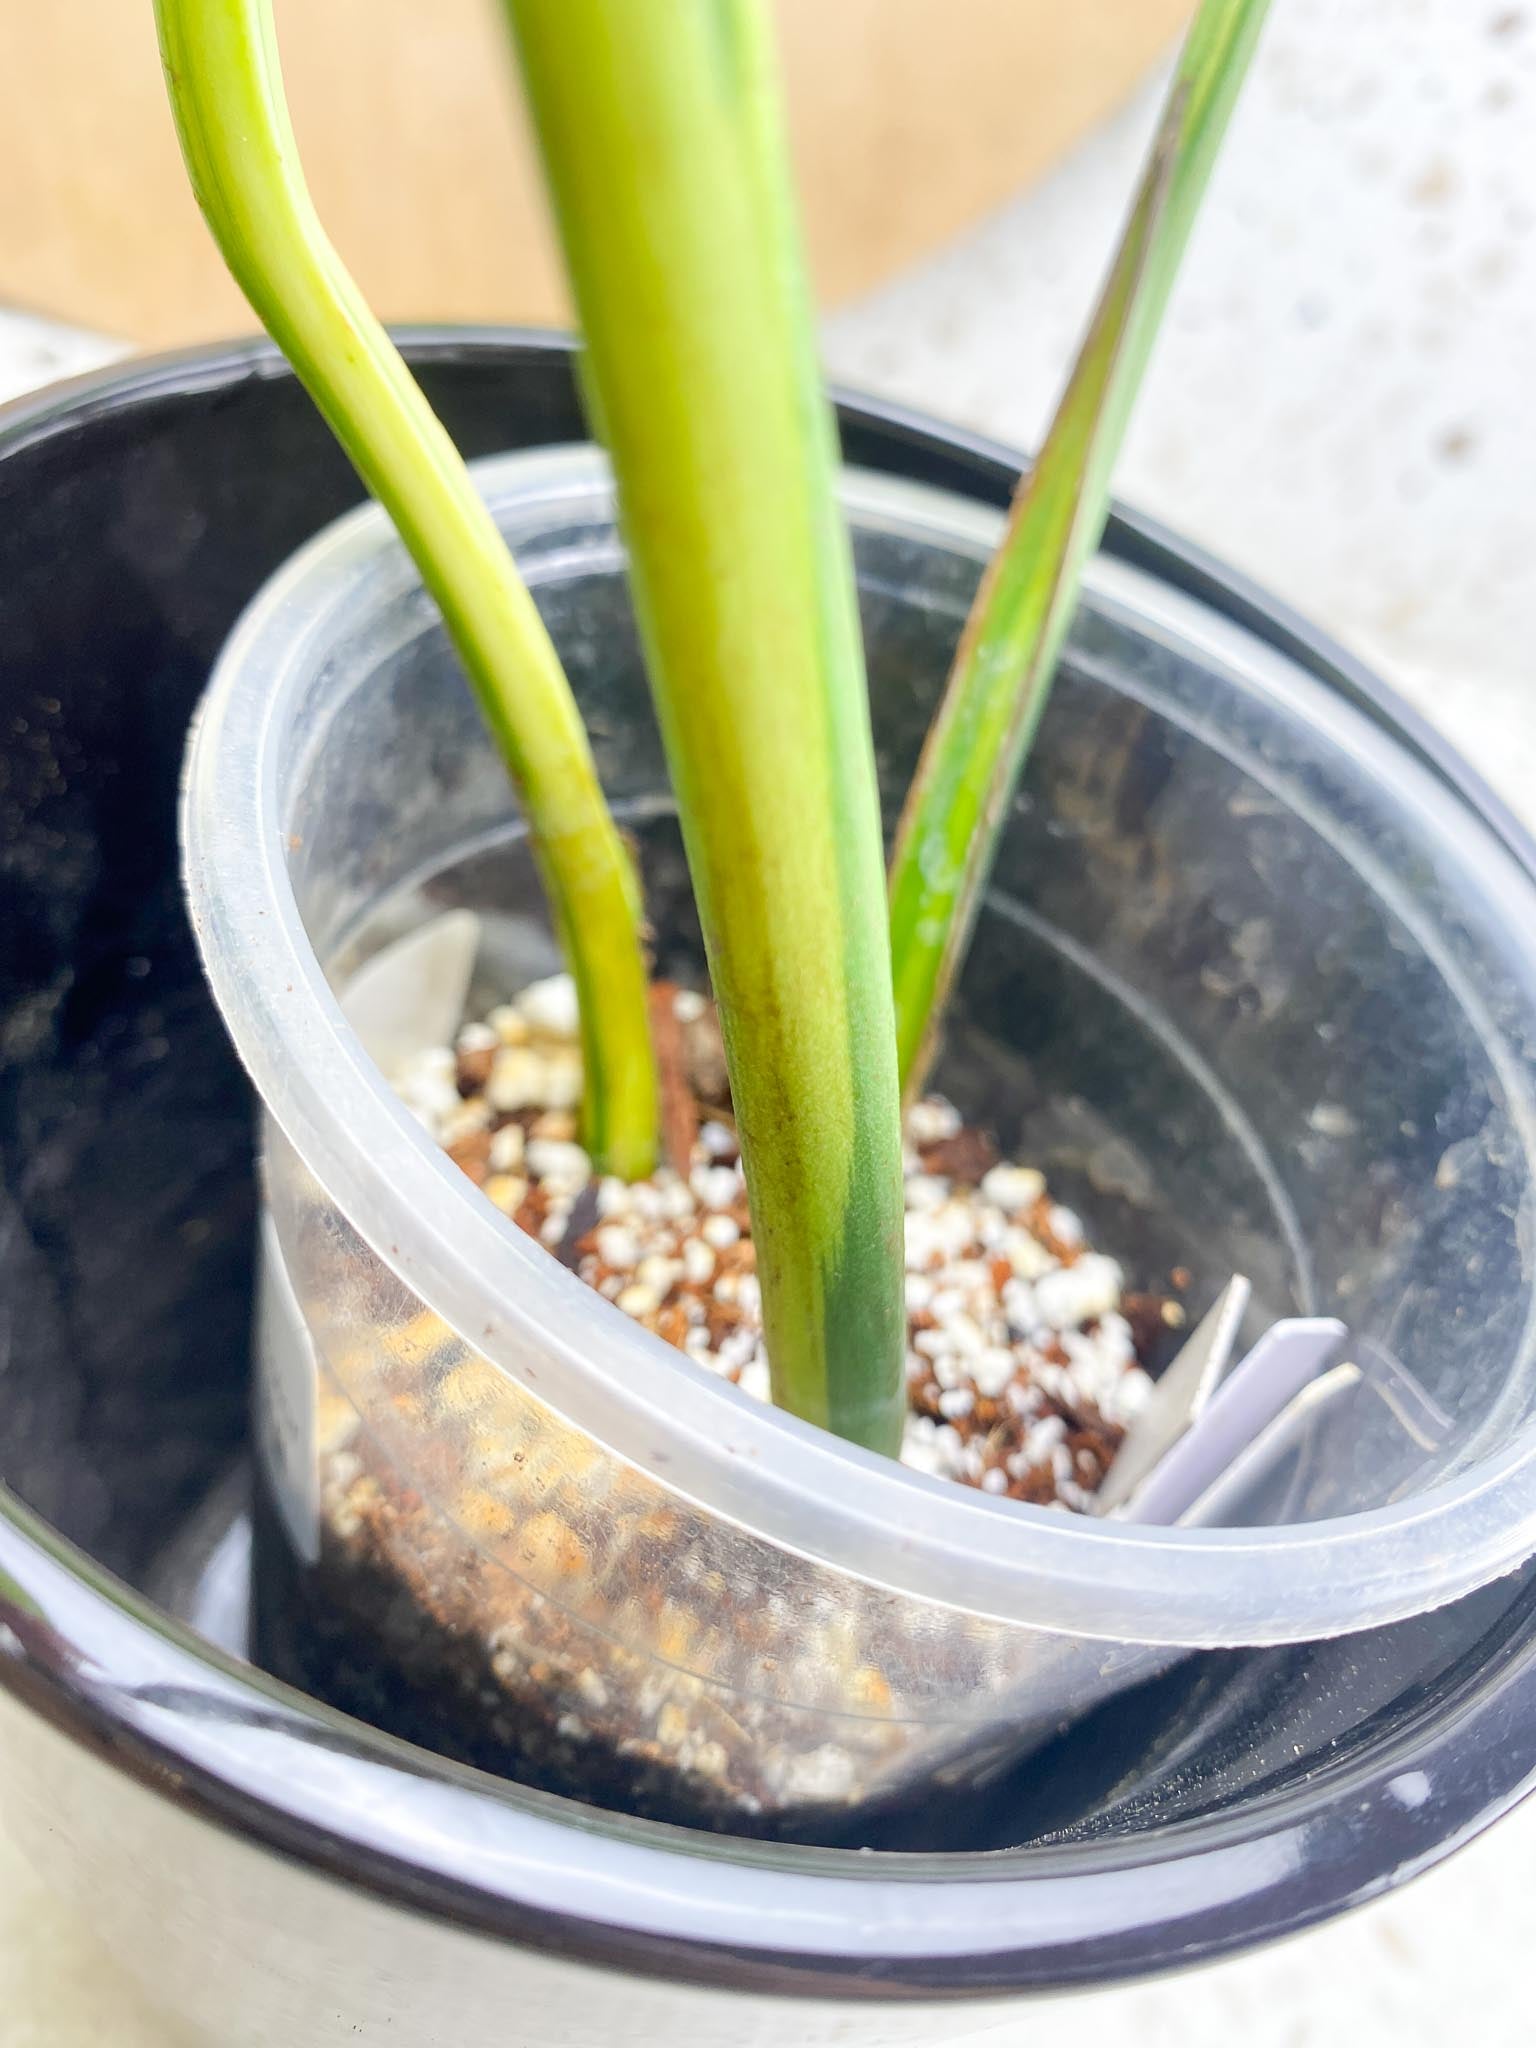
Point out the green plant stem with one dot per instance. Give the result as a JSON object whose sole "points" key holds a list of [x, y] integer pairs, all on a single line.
{"points": [[1007, 655], [221, 68], [662, 139]]}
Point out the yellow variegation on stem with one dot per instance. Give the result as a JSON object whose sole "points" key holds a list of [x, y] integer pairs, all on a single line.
{"points": [[221, 68], [662, 138]]}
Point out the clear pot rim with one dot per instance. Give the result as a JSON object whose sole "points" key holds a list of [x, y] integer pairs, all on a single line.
{"points": [[113, 1675], [885, 1525]]}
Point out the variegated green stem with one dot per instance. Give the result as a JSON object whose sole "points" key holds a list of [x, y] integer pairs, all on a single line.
{"points": [[1002, 672], [221, 68], [661, 133]]}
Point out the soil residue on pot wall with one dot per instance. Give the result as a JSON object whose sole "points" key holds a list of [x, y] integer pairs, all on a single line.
{"points": [[611, 1650]]}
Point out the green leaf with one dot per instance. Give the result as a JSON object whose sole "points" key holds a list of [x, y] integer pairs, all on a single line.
{"points": [[661, 133], [221, 69], [1003, 668]]}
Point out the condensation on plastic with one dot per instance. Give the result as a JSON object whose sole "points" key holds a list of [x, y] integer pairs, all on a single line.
{"points": [[1252, 983]]}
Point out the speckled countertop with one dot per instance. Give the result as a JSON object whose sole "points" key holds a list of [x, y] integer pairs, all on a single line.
{"points": [[1343, 405], [1341, 401]]}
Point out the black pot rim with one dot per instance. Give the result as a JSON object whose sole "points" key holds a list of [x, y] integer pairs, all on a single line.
{"points": [[110, 1672]]}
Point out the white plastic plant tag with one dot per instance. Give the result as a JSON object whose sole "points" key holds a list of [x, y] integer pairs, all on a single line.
{"points": [[286, 1387], [1281, 1366], [1179, 1397], [1271, 1447], [412, 993]]}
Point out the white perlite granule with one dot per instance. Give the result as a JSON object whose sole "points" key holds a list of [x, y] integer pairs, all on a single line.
{"points": [[1015, 1336]]}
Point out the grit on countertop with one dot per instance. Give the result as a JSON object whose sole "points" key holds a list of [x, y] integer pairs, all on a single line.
{"points": [[1342, 406]]}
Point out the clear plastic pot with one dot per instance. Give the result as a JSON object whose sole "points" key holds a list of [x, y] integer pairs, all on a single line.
{"points": [[1254, 984]]}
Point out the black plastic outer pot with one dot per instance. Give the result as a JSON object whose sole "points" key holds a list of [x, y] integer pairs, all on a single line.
{"points": [[274, 1870]]}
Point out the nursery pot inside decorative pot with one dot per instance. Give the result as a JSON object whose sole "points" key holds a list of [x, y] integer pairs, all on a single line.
{"points": [[274, 1870], [1248, 984]]}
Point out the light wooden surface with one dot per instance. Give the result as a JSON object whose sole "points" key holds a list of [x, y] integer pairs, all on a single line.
{"points": [[910, 120]]}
